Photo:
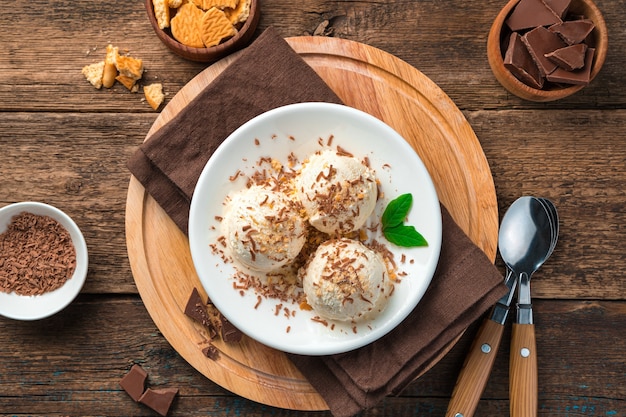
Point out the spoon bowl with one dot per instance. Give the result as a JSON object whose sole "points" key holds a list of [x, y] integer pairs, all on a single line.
{"points": [[525, 236]]}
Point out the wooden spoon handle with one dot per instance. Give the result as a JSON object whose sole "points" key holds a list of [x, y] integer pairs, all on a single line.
{"points": [[475, 372], [523, 387]]}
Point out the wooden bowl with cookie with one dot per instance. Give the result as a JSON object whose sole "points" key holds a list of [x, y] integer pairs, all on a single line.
{"points": [[547, 50], [204, 30]]}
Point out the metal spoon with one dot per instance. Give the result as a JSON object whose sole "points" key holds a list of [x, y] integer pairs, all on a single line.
{"points": [[525, 242], [481, 357], [554, 220]]}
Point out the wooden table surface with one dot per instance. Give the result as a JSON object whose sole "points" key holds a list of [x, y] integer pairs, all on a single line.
{"points": [[65, 143]]}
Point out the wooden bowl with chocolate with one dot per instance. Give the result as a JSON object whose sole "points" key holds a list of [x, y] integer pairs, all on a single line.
{"points": [[545, 50], [204, 30]]}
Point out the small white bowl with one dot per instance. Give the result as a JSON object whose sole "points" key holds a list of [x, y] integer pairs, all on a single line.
{"points": [[20, 307]]}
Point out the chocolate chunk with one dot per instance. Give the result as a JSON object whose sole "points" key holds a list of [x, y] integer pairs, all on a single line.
{"points": [[196, 310], [531, 13], [517, 59], [211, 352], [230, 333], [134, 382], [569, 58], [580, 77], [160, 400], [574, 31], [540, 41], [560, 7]]}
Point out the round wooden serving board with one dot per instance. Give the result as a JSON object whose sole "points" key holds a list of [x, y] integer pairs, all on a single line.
{"points": [[367, 79]]}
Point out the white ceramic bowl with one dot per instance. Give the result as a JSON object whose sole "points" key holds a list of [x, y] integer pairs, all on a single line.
{"points": [[301, 130], [20, 307]]}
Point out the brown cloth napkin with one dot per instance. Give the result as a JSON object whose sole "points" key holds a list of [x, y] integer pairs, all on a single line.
{"points": [[269, 74], [464, 286]]}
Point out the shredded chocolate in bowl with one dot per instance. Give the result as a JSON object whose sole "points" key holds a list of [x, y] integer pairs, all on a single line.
{"points": [[36, 255]]}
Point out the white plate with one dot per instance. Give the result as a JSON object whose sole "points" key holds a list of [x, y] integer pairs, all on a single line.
{"points": [[298, 129], [21, 307]]}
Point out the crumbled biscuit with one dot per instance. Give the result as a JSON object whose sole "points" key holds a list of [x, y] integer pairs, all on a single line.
{"points": [[154, 94], [129, 67], [110, 70], [162, 13], [187, 25], [240, 13], [127, 82], [175, 4], [215, 27], [219, 4], [93, 73]]}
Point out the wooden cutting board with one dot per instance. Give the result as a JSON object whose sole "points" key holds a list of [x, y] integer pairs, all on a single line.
{"points": [[367, 79]]}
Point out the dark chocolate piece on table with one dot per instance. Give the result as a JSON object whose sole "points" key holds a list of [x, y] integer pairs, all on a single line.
{"points": [[211, 352], [531, 13], [160, 400], [540, 41], [517, 59], [573, 31], [134, 382], [569, 58], [560, 7], [579, 77]]}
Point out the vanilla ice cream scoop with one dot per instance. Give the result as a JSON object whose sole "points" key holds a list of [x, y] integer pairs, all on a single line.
{"points": [[346, 281], [338, 192], [263, 228]]}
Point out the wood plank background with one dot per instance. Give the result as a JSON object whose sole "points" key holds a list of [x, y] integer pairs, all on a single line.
{"points": [[64, 143]]}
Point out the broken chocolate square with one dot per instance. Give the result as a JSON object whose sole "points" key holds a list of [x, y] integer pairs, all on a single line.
{"points": [[134, 382], [196, 309], [230, 333], [160, 400], [211, 352], [560, 7], [540, 41], [579, 77], [530, 14], [573, 31], [569, 58], [517, 59]]}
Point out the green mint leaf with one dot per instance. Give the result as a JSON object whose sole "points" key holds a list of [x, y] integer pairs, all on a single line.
{"points": [[405, 236], [396, 211]]}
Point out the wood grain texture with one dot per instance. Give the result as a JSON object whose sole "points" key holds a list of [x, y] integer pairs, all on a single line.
{"points": [[63, 142], [523, 383], [476, 370], [71, 364]]}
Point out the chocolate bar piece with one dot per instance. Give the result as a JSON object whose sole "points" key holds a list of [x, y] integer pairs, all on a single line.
{"points": [[580, 77], [211, 352], [196, 310], [134, 382], [530, 14], [230, 334], [540, 41], [560, 7], [573, 31], [569, 58], [517, 59], [160, 400]]}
